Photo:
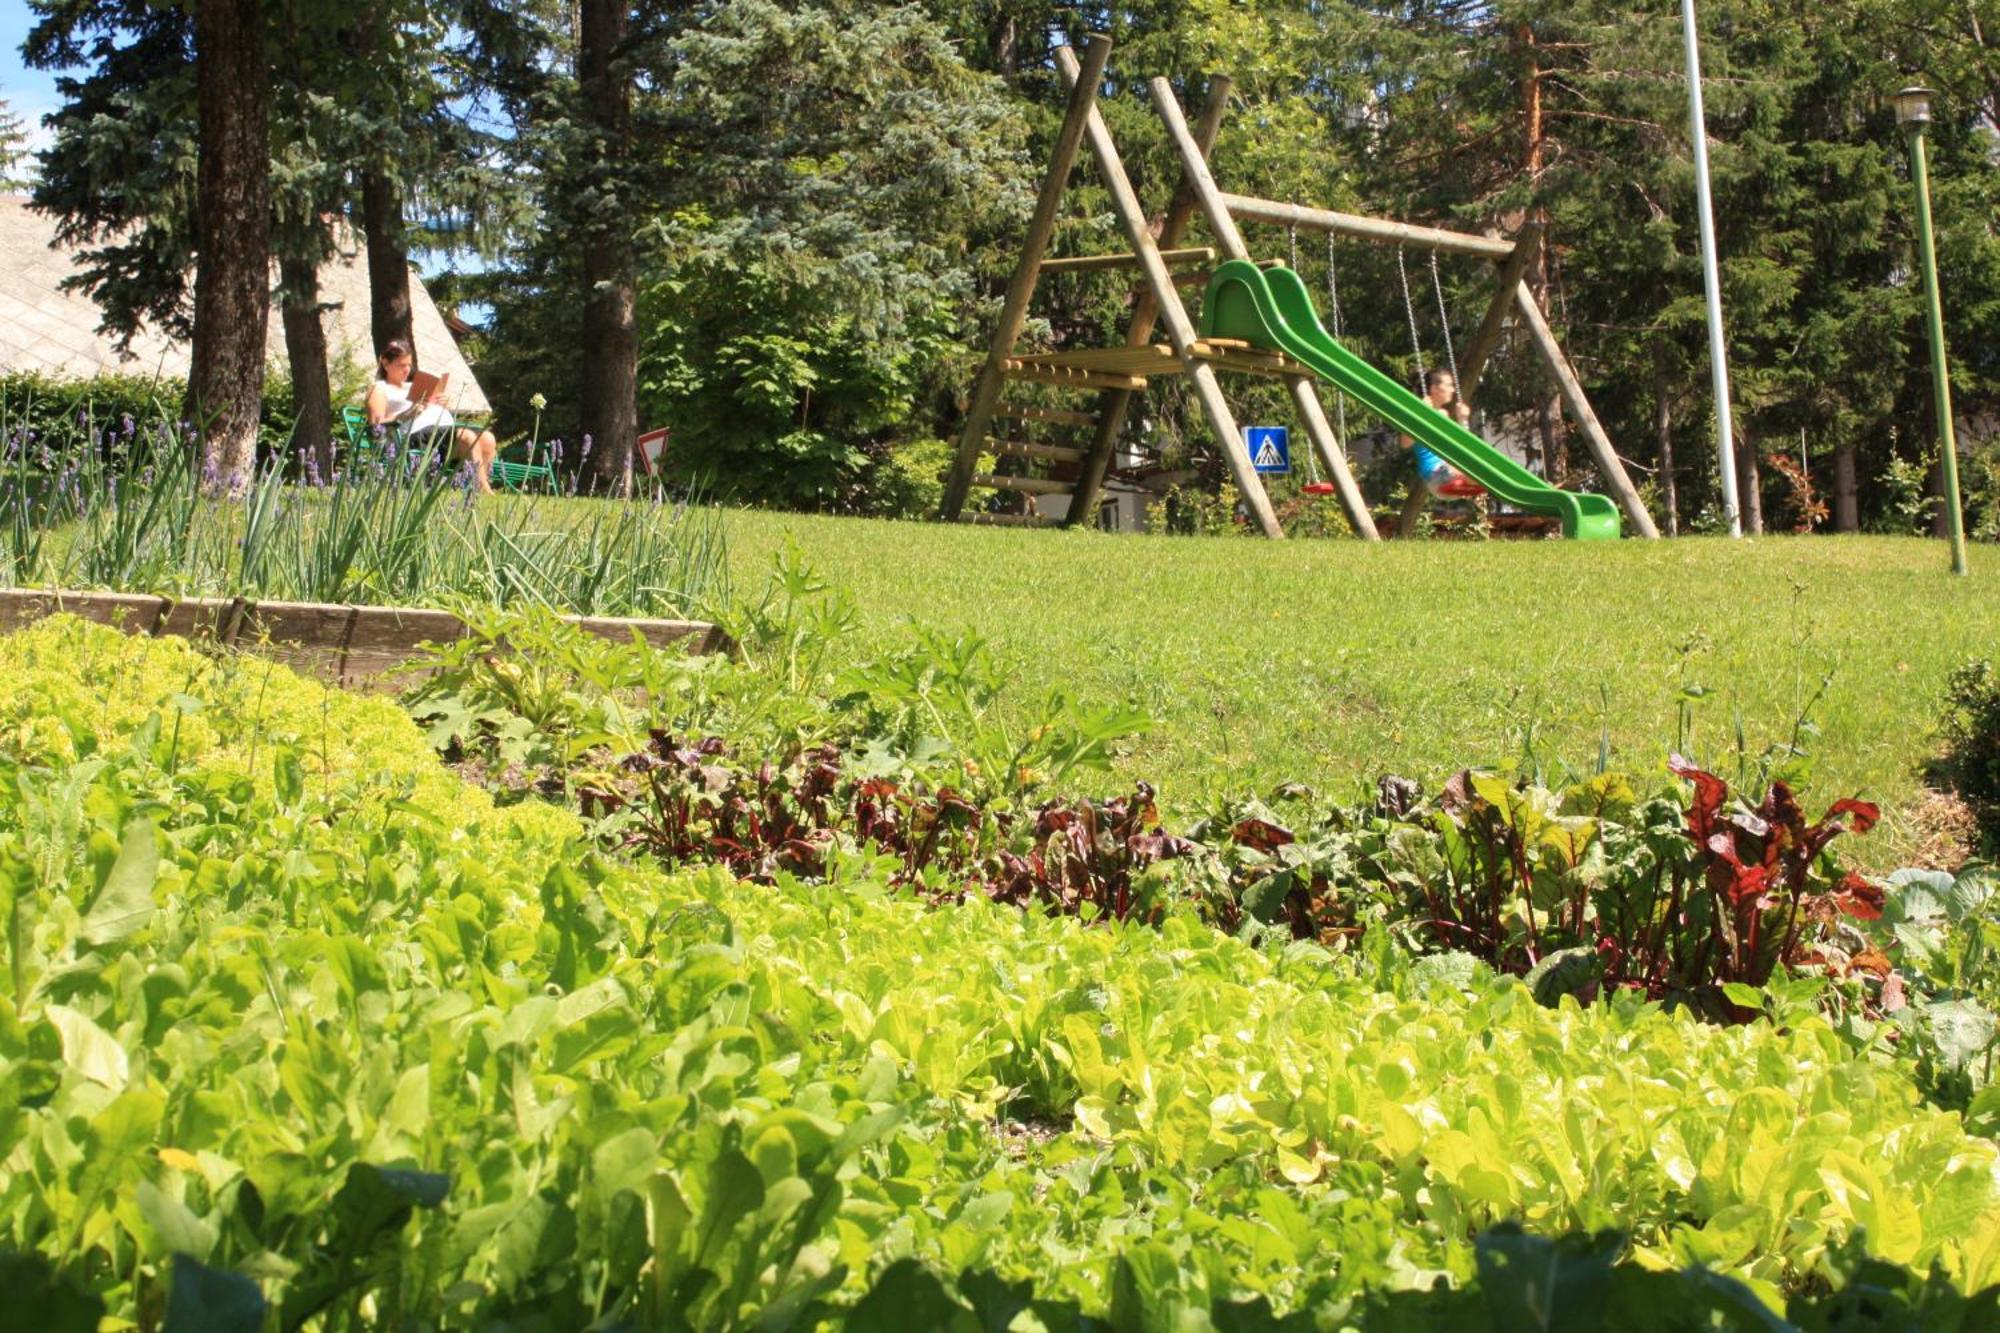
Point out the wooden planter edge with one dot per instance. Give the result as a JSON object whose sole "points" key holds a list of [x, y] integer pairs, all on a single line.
{"points": [[364, 647]]}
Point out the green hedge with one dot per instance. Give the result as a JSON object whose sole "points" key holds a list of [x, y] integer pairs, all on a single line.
{"points": [[38, 406]]}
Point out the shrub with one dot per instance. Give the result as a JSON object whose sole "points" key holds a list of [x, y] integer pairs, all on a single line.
{"points": [[49, 408], [1982, 491], [907, 479], [1972, 739]]}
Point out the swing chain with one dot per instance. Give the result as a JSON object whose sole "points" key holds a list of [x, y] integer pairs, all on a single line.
{"points": [[1333, 306], [1292, 262], [1410, 310], [1444, 322]]}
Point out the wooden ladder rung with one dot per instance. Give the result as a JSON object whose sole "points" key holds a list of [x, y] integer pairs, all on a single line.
{"points": [[1051, 415], [1025, 485], [1242, 357], [1106, 360], [1026, 449], [1009, 520], [1063, 377], [1192, 254]]}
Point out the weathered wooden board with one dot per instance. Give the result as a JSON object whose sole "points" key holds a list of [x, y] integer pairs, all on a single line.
{"points": [[359, 647], [1193, 254], [1066, 377], [1007, 520], [1055, 453], [1051, 415], [1025, 485]]}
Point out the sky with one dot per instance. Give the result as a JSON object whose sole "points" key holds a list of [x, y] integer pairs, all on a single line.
{"points": [[29, 93]]}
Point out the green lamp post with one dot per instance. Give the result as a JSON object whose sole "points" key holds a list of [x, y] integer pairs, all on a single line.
{"points": [[1913, 113]]}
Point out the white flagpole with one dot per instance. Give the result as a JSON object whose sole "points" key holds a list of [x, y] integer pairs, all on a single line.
{"points": [[1725, 449]]}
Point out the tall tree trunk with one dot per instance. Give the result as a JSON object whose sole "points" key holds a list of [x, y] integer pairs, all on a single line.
{"points": [[382, 232], [1548, 411], [232, 283], [610, 330], [1663, 435], [1940, 515], [1004, 45], [389, 315], [1846, 489], [1549, 424], [1750, 485], [305, 348]]}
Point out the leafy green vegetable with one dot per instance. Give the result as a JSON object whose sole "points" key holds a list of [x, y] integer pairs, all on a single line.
{"points": [[383, 1047]]}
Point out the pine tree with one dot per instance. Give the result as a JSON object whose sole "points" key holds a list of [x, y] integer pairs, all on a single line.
{"points": [[611, 337], [793, 174], [232, 297], [345, 135], [14, 154]]}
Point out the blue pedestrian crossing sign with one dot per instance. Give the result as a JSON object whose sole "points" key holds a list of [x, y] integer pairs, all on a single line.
{"points": [[1270, 448]]}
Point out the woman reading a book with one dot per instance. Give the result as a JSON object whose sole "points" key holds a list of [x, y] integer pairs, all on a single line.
{"points": [[402, 396]]}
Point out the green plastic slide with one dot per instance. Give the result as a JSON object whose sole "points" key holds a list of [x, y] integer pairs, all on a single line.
{"points": [[1272, 308]]}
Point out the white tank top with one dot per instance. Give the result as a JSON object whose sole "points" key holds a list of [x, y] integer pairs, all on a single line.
{"points": [[431, 417]]}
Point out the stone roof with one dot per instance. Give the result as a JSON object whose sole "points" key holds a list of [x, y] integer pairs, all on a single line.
{"points": [[54, 332]]}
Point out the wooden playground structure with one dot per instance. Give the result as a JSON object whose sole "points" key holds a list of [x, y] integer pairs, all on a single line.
{"points": [[1116, 374]]}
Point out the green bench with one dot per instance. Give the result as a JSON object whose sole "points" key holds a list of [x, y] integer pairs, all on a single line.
{"points": [[521, 466]]}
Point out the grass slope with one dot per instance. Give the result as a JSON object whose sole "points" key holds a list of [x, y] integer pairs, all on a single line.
{"points": [[1332, 662]]}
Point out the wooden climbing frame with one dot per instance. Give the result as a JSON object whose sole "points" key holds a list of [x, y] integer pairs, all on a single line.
{"points": [[1116, 374]]}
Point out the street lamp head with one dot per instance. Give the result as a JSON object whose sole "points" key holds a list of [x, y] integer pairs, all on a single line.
{"points": [[1913, 107]]}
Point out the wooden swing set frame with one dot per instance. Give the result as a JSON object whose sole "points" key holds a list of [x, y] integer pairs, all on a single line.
{"points": [[1116, 374]]}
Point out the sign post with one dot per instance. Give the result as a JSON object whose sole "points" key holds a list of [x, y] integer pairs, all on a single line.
{"points": [[1270, 448]]}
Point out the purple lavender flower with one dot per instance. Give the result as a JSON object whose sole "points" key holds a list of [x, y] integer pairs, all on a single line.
{"points": [[127, 426], [312, 468], [586, 449]]}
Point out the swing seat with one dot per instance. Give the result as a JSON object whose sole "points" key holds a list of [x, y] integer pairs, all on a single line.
{"points": [[1461, 488], [1317, 488]]}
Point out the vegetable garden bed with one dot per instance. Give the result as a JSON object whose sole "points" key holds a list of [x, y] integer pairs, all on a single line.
{"points": [[358, 647], [297, 1026]]}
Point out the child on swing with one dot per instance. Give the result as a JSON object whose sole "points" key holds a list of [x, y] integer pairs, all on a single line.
{"points": [[1439, 477]]}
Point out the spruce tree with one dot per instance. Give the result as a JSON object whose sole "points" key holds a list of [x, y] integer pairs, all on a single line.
{"points": [[232, 294], [793, 174], [14, 154], [347, 136]]}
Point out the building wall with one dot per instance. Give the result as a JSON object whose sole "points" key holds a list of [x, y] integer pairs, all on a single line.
{"points": [[48, 330]]}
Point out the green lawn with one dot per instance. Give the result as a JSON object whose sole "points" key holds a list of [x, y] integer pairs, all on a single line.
{"points": [[1333, 662]]}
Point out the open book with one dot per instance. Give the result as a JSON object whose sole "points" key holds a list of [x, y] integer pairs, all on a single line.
{"points": [[427, 389]]}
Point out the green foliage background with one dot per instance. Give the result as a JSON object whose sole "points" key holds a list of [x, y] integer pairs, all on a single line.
{"points": [[770, 349], [826, 198]]}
